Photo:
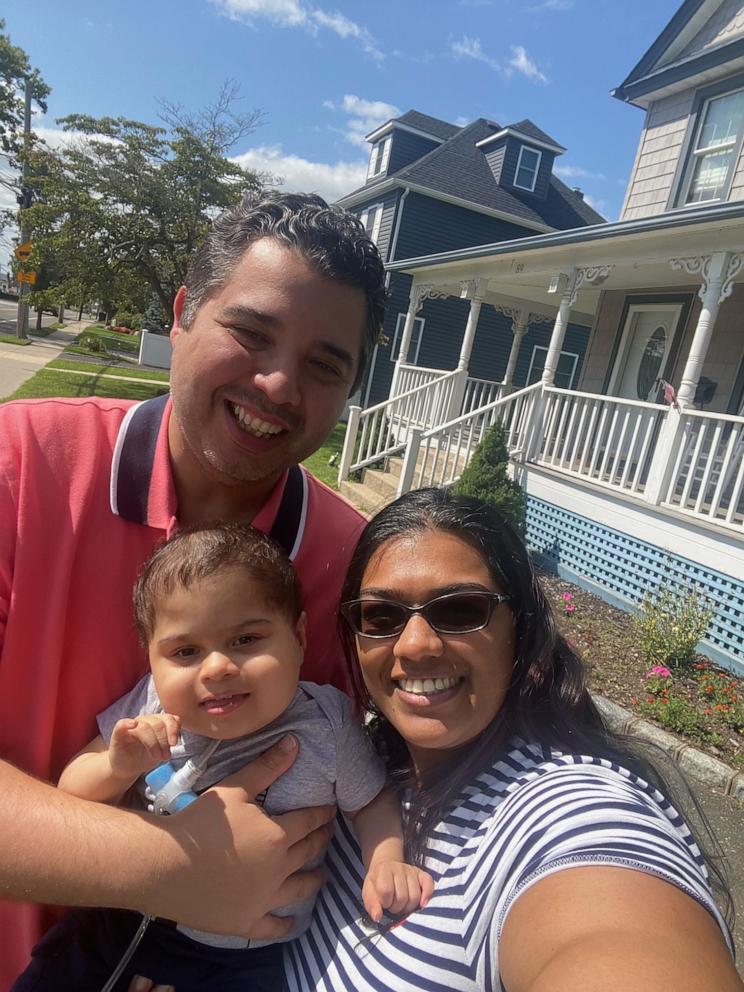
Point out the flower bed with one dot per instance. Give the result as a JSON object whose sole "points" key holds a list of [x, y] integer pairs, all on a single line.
{"points": [[699, 701]]}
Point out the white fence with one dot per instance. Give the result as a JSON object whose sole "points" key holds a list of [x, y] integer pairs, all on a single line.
{"points": [[412, 376], [480, 392]]}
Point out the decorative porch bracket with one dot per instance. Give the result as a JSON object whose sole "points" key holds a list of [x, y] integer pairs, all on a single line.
{"points": [[568, 285], [717, 273]]}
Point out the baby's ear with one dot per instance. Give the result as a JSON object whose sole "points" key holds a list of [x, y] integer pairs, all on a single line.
{"points": [[300, 630]]}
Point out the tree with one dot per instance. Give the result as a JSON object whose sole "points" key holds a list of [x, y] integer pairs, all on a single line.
{"points": [[15, 69], [123, 205], [486, 477]]}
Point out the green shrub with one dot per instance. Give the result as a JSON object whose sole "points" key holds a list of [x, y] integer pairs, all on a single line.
{"points": [[92, 342], [126, 319], [487, 478], [670, 623]]}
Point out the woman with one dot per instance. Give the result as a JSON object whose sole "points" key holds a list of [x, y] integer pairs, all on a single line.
{"points": [[481, 711]]}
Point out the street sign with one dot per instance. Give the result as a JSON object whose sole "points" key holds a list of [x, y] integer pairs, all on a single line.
{"points": [[23, 252], [29, 277]]}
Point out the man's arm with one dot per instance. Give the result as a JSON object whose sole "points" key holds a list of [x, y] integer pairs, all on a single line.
{"points": [[195, 867]]}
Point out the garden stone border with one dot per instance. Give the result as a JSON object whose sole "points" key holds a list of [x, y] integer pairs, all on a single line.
{"points": [[700, 766]]}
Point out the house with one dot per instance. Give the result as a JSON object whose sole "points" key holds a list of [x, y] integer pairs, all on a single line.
{"points": [[634, 471], [433, 187]]}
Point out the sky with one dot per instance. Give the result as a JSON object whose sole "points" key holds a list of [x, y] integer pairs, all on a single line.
{"points": [[325, 75]]}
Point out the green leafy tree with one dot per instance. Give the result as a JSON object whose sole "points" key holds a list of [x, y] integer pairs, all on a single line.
{"points": [[122, 206], [15, 69], [486, 477]]}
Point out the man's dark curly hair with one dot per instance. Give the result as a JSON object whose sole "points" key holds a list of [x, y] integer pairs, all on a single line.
{"points": [[331, 238]]}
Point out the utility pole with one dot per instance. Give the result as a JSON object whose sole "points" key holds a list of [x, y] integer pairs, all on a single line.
{"points": [[25, 203]]}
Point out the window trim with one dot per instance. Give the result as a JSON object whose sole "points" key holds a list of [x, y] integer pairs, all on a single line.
{"points": [[379, 157], [399, 325], [536, 151], [686, 160], [541, 347], [373, 234]]}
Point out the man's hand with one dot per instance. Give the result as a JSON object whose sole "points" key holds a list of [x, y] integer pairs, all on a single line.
{"points": [[225, 865], [142, 743], [397, 888]]}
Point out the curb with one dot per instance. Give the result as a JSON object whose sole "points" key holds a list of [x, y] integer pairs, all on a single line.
{"points": [[695, 763]]}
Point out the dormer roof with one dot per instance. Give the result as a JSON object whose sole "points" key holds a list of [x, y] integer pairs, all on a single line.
{"points": [[525, 131], [704, 41], [416, 123], [457, 170]]}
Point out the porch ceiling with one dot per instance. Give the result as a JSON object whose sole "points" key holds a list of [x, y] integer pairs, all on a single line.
{"points": [[519, 272]]}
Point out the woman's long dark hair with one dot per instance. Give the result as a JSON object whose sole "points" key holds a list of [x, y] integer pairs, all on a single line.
{"points": [[547, 701]]}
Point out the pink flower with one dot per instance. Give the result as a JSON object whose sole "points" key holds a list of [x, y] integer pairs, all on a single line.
{"points": [[570, 607], [567, 597], [661, 670]]}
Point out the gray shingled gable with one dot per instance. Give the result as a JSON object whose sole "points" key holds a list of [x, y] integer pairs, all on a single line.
{"points": [[431, 125], [530, 130]]}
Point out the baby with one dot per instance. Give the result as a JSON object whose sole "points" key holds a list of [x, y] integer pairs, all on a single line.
{"points": [[220, 610]]}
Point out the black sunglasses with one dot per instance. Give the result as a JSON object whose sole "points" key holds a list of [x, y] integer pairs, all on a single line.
{"points": [[453, 613]]}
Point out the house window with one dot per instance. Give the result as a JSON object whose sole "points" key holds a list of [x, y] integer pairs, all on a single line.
{"points": [[528, 165], [714, 151], [565, 374], [371, 217], [378, 160], [415, 346]]}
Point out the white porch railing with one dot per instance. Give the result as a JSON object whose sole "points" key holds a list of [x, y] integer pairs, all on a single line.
{"points": [[480, 392], [707, 468], [604, 439], [382, 430], [437, 457], [412, 376]]}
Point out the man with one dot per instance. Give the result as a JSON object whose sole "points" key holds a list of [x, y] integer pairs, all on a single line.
{"points": [[282, 304]]}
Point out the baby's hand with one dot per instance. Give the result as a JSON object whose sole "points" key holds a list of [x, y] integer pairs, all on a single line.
{"points": [[396, 888], [141, 744]]}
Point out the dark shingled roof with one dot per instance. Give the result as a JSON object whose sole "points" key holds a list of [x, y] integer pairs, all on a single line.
{"points": [[530, 130], [432, 125], [460, 169]]}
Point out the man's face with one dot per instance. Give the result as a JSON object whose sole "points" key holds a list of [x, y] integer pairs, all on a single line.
{"points": [[261, 376]]}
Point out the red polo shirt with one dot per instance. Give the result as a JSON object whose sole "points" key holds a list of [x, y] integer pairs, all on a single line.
{"points": [[86, 493]]}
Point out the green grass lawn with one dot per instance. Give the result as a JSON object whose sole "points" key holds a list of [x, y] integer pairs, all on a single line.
{"points": [[12, 339], [126, 371], [51, 381], [318, 463], [44, 332], [127, 343]]}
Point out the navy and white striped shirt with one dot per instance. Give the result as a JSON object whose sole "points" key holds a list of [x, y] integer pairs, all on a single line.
{"points": [[535, 812]]}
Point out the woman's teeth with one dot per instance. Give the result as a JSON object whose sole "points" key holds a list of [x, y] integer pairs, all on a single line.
{"points": [[426, 687], [253, 425]]}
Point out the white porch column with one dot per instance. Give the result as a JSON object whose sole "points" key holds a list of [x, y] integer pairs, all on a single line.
{"points": [[717, 273], [420, 292], [520, 323], [568, 285], [473, 290]]}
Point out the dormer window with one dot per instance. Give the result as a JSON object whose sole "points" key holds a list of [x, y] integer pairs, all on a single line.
{"points": [[715, 150], [528, 166], [371, 217], [378, 161]]}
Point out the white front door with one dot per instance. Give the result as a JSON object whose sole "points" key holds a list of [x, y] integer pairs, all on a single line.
{"points": [[644, 349]]}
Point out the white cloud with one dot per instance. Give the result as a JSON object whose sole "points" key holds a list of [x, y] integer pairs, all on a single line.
{"points": [[462, 121], [331, 180], [557, 5], [521, 62], [598, 204], [299, 14], [575, 172], [363, 116]]}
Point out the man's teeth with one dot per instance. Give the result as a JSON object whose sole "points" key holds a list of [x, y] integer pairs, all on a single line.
{"points": [[425, 687], [254, 425]]}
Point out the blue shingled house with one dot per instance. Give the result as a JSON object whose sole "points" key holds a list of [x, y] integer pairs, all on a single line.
{"points": [[434, 187]]}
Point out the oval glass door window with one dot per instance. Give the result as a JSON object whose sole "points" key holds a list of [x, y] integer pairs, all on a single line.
{"points": [[650, 364]]}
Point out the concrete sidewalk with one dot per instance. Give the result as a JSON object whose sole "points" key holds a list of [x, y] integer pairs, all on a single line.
{"points": [[19, 362]]}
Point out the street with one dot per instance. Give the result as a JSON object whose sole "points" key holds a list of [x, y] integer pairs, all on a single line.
{"points": [[8, 311]]}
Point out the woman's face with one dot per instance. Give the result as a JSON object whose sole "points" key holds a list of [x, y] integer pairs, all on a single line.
{"points": [[435, 717]]}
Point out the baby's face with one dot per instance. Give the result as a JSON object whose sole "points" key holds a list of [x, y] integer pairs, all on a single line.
{"points": [[224, 660]]}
